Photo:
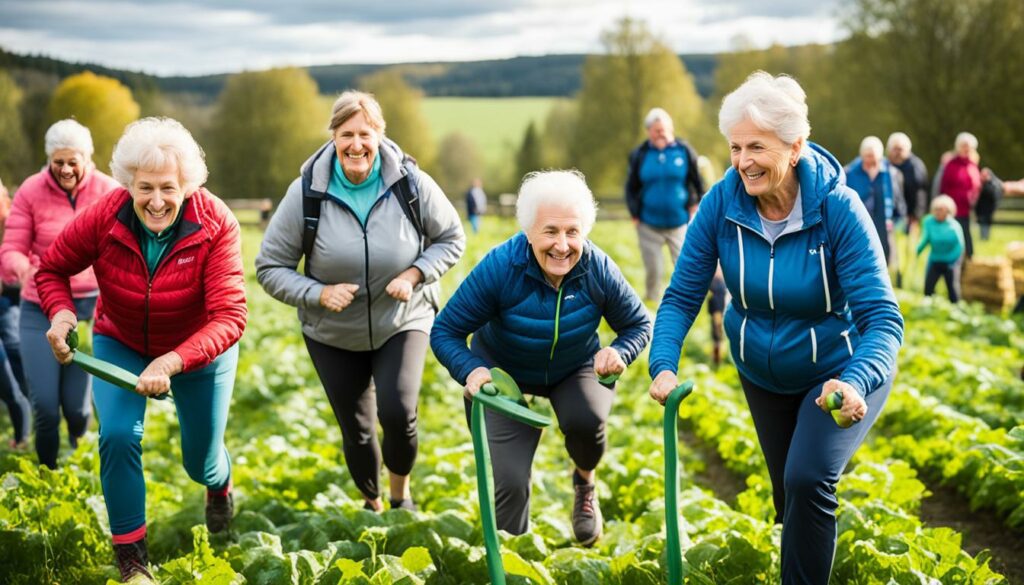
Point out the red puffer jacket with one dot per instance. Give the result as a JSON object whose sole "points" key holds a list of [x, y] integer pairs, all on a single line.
{"points": [[194, 304]]}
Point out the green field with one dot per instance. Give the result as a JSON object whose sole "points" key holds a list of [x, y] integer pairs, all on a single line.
{"points": [[495, 124]]}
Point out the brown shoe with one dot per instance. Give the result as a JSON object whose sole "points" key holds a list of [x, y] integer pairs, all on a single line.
{"points": [[586, 515]]}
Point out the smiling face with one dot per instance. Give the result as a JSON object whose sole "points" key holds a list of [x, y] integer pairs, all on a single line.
{"points": [[557, 240], [356, 142], [68, 168], [157, 197], [661, 133], [763, 160]]}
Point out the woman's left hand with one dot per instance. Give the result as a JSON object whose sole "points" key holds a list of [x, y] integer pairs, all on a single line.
{"points": [[156, 378], [854, 407], [607, 361]]}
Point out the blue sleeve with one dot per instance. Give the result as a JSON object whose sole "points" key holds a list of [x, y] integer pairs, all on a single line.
{"points": [[865, 280], [689, 287], [474, 303], [625, 313]]}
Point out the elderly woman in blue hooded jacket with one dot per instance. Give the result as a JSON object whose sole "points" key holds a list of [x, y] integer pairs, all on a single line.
{"points": [[533, 305], [812, 308]]}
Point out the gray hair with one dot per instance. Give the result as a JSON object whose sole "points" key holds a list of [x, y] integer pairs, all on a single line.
{"points": [[564, 188], [899, 138], [776, 104], [873, 143], [353, 102], [71, 135], [655, 115], [153, 144], [944, 201], [968, 138]]}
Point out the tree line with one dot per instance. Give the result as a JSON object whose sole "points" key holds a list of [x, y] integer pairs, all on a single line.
{"points": [[924, 67]]}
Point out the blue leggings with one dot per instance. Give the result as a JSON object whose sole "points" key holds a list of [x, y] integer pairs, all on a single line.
{"points": [[54, 389], [201, 399], [806, 453]]}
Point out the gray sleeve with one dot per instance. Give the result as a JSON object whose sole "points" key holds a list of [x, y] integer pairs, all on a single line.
{"points": [[443, 229], [280, 252]]}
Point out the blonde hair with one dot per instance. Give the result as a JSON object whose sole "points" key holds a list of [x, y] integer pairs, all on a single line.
{"points": [[944, 202], [353, 102], [153, 144]]}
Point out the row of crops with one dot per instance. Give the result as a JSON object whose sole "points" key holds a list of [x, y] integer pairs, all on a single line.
{"points": [[952, 419]]}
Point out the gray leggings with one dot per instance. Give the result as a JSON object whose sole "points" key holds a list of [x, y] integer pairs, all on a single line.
{"points": [[54, 388], [582, 405], [354, 380]]}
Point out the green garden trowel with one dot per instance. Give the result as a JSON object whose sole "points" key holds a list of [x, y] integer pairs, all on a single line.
{"points": [[672, 539], [501, 395], [107, 371]]}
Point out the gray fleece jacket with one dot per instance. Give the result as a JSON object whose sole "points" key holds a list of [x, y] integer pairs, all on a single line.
{"points": [[370, 258]]}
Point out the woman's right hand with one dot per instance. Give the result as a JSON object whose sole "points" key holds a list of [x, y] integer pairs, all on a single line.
{"points": [[475, 380], [663, 385], [336, 297], [62, 323]]}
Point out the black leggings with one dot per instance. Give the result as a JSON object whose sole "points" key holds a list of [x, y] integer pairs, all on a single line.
{"points": [[949, 272], [582, 405], [349, 378]]}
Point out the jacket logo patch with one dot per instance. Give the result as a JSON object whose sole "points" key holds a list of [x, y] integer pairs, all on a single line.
{"points": [[568, 297], [812, 251], [679, 161], [185, 260]]}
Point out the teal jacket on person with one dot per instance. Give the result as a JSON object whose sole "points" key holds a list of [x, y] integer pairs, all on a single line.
{"points": [[815, 304], [945, 237], [535, 332]]}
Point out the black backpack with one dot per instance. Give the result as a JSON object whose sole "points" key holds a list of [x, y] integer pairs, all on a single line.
{"points": [[312, 201]]}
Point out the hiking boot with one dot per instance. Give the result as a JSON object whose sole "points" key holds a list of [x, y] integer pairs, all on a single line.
{"points": [[220, 507], [403, 504], [586, 513], [133, 562]]}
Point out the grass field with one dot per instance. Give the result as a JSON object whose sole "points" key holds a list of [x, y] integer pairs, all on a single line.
{"points": [[495, 124]]}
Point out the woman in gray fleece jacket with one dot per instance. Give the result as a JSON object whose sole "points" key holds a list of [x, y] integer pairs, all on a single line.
{"points": [[369, 290]]}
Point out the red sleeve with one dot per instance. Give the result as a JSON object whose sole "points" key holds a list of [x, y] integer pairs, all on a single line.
{"points": [[224, 284], [975, 175], [19, 232], [74, 250]]}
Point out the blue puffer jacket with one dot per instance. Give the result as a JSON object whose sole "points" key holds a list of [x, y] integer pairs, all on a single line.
{"points": [[536, 333], [817, 304]]}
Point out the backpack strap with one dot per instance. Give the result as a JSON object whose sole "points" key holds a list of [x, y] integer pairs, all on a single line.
{"points": [[409, 199], [311, 204]]}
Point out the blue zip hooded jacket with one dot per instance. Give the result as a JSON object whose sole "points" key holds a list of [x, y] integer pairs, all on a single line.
{"points": [[815, 305], [535, 332]]}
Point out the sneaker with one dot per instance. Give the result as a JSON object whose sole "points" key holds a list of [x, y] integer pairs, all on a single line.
{"points": [[133, 562], [586, 514], [403, 504], [219, 510]]}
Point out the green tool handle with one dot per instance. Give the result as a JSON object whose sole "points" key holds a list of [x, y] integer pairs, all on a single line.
{"points": [[107, 371], [488, 398], [673, 542], [834, 402], [609, 379]]}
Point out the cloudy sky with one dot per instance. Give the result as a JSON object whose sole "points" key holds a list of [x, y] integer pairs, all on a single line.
{"points": [[190, 37]]}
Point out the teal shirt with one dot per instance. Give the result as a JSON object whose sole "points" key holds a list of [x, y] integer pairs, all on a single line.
{"points": [[360, 198], [154, 245], [945, 237]]}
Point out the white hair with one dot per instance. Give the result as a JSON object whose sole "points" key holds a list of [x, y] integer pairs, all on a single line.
{"points": [[944, 201], [153, 144], [71, 135], [968, 138], [776, 104], [872, 143], [563, 188], [655, 115], [897, 139]]}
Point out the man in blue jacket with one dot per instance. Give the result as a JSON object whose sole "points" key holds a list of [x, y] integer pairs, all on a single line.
{"points": [[662, 191]]}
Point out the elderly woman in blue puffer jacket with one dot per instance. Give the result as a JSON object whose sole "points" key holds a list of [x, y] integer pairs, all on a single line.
{"points": [[812, 308], [533, 305]]}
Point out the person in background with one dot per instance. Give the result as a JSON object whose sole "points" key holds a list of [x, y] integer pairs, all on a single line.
{"points": [[12, 381], [167, 256], [946, 238], [880, 186], [961, 180], [533, 306], [988, 201], [44, 204], [369, 291], [663, 188], [916, 183], [812, 311], [476, 204]]}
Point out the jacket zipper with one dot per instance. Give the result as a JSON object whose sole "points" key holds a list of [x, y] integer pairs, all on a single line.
{"points": [[554, 342]]}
